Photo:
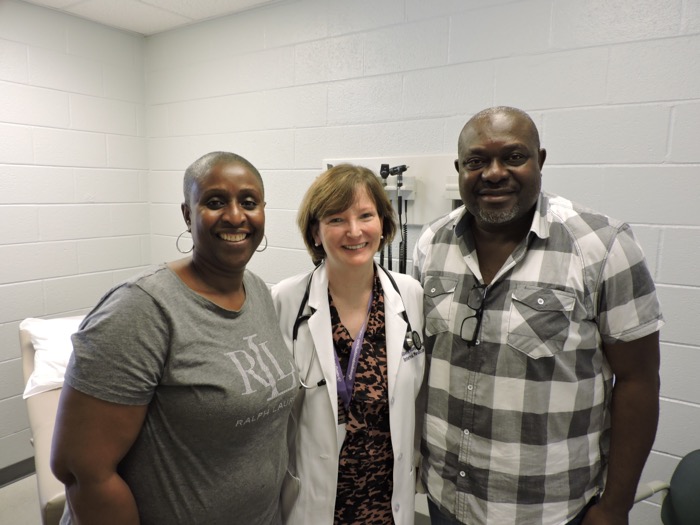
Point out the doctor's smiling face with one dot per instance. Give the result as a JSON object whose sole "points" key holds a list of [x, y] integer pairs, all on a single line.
{"points": [[351, 237], [346, 217]]}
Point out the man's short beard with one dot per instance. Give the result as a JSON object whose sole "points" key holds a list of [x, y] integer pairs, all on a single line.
{"points": [[498, 217]]}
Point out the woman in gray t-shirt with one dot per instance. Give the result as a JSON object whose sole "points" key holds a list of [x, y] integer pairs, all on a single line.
{"points": [[177, 396]]}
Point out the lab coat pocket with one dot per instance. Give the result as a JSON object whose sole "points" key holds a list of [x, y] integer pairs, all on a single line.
{"points": [[539, 320]]}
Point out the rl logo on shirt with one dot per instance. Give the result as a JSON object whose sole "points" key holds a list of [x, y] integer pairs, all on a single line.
{"points": [[260, 369]]}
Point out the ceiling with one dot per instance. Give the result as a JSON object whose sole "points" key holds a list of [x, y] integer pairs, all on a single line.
{"points": [[148, 17]]}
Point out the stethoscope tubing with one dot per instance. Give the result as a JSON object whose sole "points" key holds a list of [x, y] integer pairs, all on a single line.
{"points": [[412, 339]]}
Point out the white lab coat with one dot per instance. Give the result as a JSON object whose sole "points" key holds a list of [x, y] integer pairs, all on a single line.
{"points": [[314, 450]]}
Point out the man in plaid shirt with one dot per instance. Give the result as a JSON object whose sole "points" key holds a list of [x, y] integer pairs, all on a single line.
{"points": [[533, 305]]}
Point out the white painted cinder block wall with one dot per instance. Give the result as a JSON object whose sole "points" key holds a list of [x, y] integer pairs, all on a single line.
{"points": [[91, 188], [74, 204]]}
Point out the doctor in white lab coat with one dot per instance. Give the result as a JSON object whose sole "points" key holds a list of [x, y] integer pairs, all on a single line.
{"points": [[345, 218]]}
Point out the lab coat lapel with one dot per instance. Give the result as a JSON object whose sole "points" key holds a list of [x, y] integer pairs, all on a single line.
{"points": [[322, 333], [395, 328]]}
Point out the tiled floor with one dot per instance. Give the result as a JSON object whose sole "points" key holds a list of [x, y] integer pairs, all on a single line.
{"points": [[19, 503]]}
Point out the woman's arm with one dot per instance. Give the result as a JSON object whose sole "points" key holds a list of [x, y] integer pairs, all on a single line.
{"points": [[90, 439]]}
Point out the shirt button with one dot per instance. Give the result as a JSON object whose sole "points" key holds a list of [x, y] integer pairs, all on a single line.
{"points": [[400, 456], [432, 290], [466, 431], [462, 473], [470, 387], [477, 342], [392, 401], [540, 301], [397, 507]]}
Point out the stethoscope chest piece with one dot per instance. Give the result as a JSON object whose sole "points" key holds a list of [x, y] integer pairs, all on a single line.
{"points": [[413, 340]]}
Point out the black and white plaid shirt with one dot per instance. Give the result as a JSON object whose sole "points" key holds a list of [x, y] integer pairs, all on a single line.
{"points": [[517, 424]]}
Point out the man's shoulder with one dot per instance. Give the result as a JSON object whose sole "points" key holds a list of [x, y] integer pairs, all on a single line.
{"points": [[443, 223], [581, 220]]}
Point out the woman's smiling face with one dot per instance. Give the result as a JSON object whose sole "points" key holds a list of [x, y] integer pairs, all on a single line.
{"points": [[227, 216], [351, 238]]}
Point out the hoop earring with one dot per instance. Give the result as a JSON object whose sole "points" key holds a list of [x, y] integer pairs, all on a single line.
{"points": [[265, 248], [177, 242]]}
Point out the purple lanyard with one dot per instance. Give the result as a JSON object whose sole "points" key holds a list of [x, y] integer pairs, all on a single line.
{"points": [[346, 383]]}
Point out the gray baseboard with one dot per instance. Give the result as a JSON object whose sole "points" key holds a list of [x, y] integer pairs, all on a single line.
{"points": [[17, 471]]}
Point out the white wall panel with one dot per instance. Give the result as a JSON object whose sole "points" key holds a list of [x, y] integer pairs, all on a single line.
{"points": [[285, 189], [108, 47], [363, 15], [680, 264], [47, 27], [16, 446], [106, 185], [166, 219], [35, 184], [129, 219], [10, 378], [679, 367], [55, 70], [329, 59], [461, 89], [125, 151], [567, 79], [519, 28], [13, 61], [617, 135], [20, 224], [99, 114], [374, 99], [9, 341], [646, 71], [98, 255], [15, 144], [123, 84], [281, 229], [76, 292], [650, 194], [586, 23], [419, 9], [679, 427], [23, 104], [680, 309], [684, 134], [63, 222], [294, 22], [60, 147], [18, 301], [398, 48], [26, 262], [691, 17], [71, 104]]}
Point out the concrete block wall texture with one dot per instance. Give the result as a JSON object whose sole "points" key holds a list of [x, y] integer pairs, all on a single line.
{"points": [[613, 87], [74, 200]]}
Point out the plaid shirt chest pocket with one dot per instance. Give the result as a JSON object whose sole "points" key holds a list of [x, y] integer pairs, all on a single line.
{"points": [[438, 294], [539, 320]]}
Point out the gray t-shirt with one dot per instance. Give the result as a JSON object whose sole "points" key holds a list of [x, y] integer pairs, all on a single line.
{"points": [[219, 386]]}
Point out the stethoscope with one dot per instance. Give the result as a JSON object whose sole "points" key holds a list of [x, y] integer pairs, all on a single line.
{"points": [[411, 341]]}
